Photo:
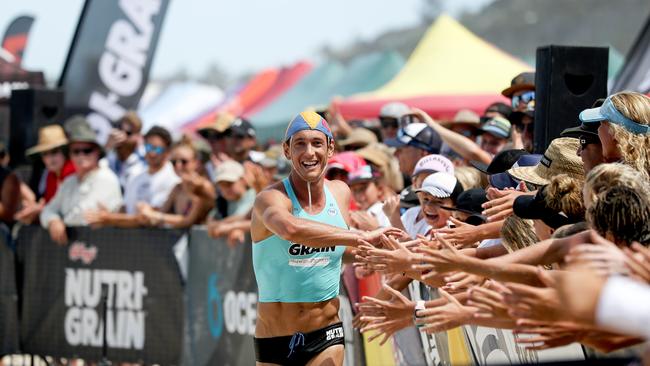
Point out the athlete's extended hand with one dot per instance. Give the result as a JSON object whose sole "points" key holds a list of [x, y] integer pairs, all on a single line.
{"points": [[374, 237]]}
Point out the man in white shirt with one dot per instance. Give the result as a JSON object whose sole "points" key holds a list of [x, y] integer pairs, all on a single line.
{"points": [[154, 185], [90, 188], [151, 187]]}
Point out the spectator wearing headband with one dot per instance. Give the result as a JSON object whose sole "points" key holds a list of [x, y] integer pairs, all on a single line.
{"points": [[624, 129]]}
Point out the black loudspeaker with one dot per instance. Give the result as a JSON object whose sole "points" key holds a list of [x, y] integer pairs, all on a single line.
{"points": [[567, 80], [31, 109]]}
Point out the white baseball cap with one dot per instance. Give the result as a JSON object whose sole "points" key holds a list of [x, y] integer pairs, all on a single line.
{"points": [[440, 185]]}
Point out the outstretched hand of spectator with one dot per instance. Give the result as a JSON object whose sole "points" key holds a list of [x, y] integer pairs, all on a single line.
{"points": [[395, 258], [374, 237], [235, 237], [363, 220], [437, 260], [489, 300], [537, 303], [461, 281], [545, 335], [444, 317], [638, 262], [501, 206], [603, 258], [462, 236], [385, 317]]}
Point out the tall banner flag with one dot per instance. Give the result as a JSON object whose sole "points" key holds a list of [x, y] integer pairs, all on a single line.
{"points": [[15, 38], [110, 57], [635, 74]]}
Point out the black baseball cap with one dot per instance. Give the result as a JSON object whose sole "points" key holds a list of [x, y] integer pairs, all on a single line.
{"points": [[242, 127], [587, 131], [501, 162], [469, 201], [501, 108], [418, 135], [535, 208], [408, 198]]}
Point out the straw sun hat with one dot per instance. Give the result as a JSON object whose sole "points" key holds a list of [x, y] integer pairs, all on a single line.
{"points": [[559, 158], [49, 138]]}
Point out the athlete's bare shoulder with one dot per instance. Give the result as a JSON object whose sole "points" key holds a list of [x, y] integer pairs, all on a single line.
{"points": [[275, 194], [338, 188]]}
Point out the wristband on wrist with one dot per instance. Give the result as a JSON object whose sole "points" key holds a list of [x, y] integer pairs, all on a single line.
{"points": [[419, 305]]}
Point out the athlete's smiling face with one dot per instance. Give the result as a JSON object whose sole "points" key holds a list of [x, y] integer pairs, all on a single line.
{"points": [[308, 151]]}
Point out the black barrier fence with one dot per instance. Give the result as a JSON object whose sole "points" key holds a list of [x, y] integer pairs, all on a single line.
{"points": [[153, 315], [135, 270]]}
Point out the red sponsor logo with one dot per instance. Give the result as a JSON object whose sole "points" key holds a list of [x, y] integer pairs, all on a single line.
{"points": [[79, 251]]}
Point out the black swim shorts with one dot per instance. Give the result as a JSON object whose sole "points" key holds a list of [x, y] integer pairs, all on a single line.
{"points": [[299, 348]]}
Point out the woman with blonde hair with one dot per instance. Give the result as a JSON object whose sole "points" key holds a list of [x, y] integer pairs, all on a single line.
{"points": [[624, 129]]}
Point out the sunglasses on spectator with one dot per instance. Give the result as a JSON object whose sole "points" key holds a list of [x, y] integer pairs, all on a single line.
{"points": [[84, 151], [182, 161], [586, 141], [127, 132], [52, 152], [387, 122], [154, 149], [525, 98]]}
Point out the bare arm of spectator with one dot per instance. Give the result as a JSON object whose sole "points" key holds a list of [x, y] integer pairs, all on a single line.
{"points": [[223, 229], [10, 198], [450, 259], [102, 217], [465, 147], [51, 218], [465, 235], [26, 194], [341, 126], [391, 210]]}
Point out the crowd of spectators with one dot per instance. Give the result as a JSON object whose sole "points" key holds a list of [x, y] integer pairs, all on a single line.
{"points": [[551, 244]]}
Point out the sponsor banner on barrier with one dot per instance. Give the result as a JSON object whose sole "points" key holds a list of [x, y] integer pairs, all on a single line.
{"points": [[499, 347], [133, 271], [221, 298], [108, 64], [8, 300]]}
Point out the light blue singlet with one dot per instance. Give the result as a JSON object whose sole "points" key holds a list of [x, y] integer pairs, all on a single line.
{"points": [[292, 272]]}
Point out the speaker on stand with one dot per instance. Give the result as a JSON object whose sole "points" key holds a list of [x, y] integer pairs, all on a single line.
{"points": [[567, 80]]}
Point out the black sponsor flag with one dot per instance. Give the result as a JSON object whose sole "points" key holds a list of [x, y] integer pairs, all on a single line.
{"points": [[63, 288], [108, 64], [635, 74]]}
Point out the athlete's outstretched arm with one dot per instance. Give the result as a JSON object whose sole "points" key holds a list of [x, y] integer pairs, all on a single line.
{"points": [[273, 209]]}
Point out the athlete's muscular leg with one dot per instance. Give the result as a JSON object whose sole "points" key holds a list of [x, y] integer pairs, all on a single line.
{"points": [[331, 356]]}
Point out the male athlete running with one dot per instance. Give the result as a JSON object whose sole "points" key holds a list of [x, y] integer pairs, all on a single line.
{"points": [[299, 227]]}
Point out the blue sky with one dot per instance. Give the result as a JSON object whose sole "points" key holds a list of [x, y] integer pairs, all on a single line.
{"points": [[241, 35]]}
